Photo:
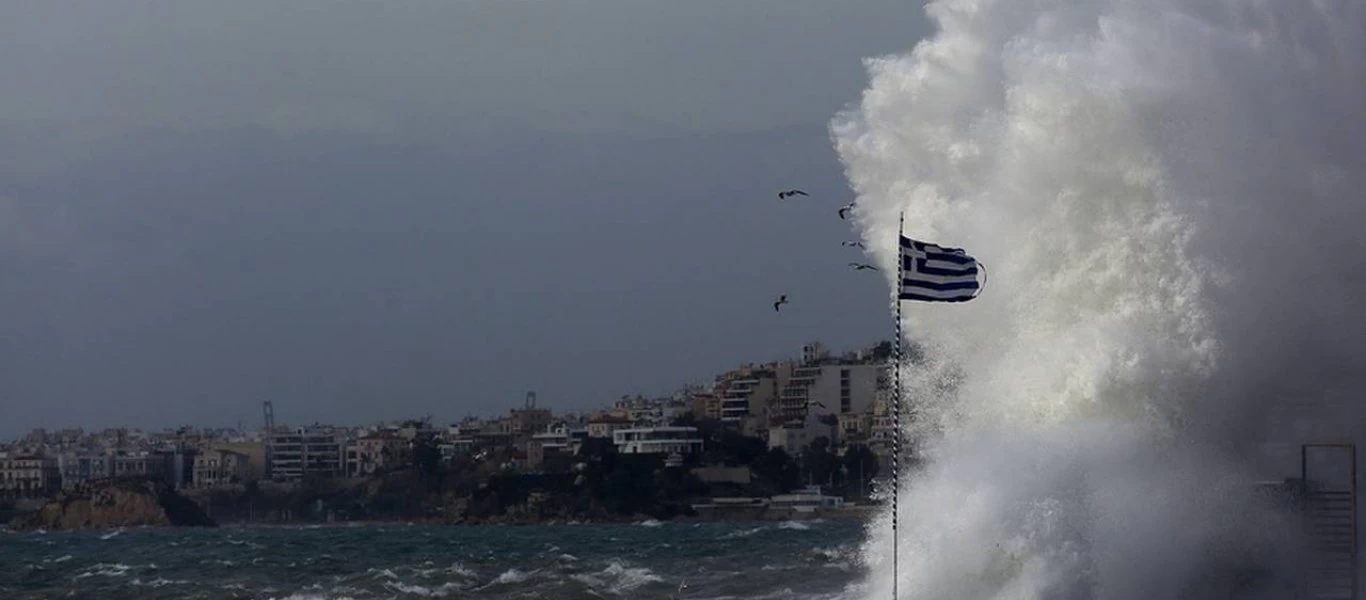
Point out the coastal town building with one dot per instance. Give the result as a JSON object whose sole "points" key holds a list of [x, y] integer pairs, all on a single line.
{"points": [[28, 476], [748, 393], [658, 440], [790, 404], [80, 468], [838, 388], [559, 439], [372, 453], [139, 464], [603, 426], [310, 451], [254, 450], [219, 468]]}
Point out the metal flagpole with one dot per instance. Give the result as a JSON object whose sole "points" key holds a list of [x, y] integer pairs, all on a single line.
{"points": [[896, 404]]}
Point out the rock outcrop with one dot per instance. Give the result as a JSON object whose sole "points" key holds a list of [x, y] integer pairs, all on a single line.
{"points": [[117, 503]]}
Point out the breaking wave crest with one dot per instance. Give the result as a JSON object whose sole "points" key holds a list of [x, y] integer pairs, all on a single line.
{"points": [[1152, 184]]}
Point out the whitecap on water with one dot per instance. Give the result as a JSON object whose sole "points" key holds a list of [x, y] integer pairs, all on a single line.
{"points": [[159, 582], [426, 592], [508, 577], [743, 533], [512, 576], [104, 570], [461, 570], [382, 573], [617, 579]]}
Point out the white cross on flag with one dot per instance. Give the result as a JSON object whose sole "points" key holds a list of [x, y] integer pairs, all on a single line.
{"points": [[931, 273]]}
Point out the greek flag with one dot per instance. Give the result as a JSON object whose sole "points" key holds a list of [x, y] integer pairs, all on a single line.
{"points": [[932, 273]]}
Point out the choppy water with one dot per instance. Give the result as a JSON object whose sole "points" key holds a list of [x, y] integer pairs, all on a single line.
{"points": [[650, 560]]}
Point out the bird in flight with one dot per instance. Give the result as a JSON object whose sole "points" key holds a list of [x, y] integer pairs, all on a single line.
{"points": [[844, 210], [781, 301], [789, 193], [853, 244], [862, 267]]}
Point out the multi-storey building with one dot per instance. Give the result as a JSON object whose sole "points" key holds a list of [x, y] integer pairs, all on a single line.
{"points": [[79, 468], [28, 476], [372, 453], [306, 452], [825, 397], [748, 396], [658, 440], [838, 389], [255, 451], [220, 467], [139, 464]]}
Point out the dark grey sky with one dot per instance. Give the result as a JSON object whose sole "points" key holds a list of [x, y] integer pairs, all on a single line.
{"points": [[371, 210]]}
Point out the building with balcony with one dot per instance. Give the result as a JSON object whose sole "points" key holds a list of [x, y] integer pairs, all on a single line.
{"points": [[293, 454], [28, 476], [827, 389], [658, 440], [217, 468], [748, 395]]}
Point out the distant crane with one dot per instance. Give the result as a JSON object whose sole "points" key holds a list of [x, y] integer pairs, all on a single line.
{"points": [[268, 411]]}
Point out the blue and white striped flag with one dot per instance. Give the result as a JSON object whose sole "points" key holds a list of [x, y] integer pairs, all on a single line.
{"points": [[931, 273]]}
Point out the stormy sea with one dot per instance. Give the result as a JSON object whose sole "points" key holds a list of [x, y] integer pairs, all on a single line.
{"points": [[798, 560]]}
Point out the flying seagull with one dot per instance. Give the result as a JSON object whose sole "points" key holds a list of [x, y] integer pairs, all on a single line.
{"points": [[844, 210], [781, 301], [862, 266], [854, 244], [788, 193]]}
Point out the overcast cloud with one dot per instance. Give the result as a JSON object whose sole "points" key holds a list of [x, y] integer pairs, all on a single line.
{"points": [[366, 210]]}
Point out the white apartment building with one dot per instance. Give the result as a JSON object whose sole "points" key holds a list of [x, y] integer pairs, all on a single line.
{"points": [[658, 440]]}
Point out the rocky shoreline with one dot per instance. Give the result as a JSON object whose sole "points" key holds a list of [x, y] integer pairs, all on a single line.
{"points": [[134, 502]]}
